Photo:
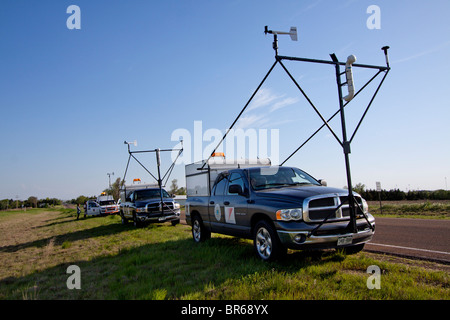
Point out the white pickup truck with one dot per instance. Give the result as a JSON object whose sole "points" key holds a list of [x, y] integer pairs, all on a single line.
{"points": [[107, 205], [104, 205]]}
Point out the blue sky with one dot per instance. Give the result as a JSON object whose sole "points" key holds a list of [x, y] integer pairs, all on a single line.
{"points": [[139, 70]]}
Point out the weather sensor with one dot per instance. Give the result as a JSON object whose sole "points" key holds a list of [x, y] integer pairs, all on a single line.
{"points": [[292, 33], [131, 142]]}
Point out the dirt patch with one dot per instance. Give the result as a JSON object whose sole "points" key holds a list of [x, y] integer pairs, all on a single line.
{"points": [[21, 228]]}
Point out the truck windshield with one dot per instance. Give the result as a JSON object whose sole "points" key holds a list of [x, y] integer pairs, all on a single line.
{"points": [[107, 203], [278, 177], [150, 194]]}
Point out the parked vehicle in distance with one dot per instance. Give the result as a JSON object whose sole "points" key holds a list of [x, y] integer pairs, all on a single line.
{"points": [[277, 207], [107, 204], [142, 204], [92, 208], [104, 205]]}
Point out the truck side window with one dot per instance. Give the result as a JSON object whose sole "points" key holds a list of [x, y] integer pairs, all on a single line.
{"points": [[236, 178], [220, 186]]}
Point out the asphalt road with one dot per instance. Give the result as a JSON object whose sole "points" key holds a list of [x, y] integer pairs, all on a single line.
{"points": [[418, 238]]}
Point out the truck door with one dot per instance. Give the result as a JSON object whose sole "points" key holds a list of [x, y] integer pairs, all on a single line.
{"points": [[216, 205], [93, 208], [126, 206], [236, 205]]}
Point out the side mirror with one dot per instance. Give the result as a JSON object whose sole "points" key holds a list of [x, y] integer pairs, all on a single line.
{"points": [[128, 199], [235, 188], [323, 182]]}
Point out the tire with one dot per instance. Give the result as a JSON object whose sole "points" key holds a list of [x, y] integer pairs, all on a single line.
{"points": [[124, 220], [354, 249], [136, 222], [199, 232], [266, 243]]}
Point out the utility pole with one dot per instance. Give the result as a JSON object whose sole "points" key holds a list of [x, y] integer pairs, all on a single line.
{"points": [[109, 176]]}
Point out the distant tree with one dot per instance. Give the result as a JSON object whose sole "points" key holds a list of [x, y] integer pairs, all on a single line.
{"points": [[359, 188], [5, 204], [32, 202], [175, 190], [81, 200], [115, 189], [174, 187]]}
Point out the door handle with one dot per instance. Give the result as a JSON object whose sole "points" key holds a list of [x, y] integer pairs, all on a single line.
{"points": [[226, 203], [211, 202]]}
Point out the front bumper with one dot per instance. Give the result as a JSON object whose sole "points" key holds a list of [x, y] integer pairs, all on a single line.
{"points": [[143, 217], [110, 211], [329, 235]]}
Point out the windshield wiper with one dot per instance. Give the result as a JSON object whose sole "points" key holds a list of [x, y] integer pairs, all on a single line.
{"points": [[299, 183], [270, 185]]}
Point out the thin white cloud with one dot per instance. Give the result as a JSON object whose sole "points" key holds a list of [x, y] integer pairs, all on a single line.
{"points": [[312, 5], [264, 103], [423, 53], [251, 121], [263, 98], [283, 103]]}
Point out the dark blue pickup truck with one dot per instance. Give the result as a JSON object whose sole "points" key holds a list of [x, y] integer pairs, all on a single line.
{"points": [[144, 205], [277, 207]]}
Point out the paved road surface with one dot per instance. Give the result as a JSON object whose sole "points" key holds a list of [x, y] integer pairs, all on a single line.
{"points": [[420, 238]]}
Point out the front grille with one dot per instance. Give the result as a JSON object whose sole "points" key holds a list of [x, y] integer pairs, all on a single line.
{"points": [[154, 207], [322, 214], [322, 202], [318, 208]]}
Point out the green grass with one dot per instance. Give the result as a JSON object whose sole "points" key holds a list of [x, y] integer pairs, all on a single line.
{"points": [[162, 262], [405, 209]]}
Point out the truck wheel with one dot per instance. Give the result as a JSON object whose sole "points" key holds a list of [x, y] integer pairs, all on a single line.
{"points": [[266, 242], [136, 222], [199, 232], [124, 220], [354, 249]]}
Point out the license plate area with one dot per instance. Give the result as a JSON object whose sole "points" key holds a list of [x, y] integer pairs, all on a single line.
{"points": [[345, 240]]}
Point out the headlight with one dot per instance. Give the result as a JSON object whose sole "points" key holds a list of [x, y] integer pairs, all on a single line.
{"points": [[176, 205], [365, 206], [143, 209], [290, 214]]}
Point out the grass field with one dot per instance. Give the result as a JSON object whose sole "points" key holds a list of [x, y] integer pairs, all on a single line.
{"points": [[162, 262], [421, 209]]}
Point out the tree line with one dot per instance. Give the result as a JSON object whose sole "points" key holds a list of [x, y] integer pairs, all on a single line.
{"points": [[31, 202], [114, 190], [397, 194]]}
